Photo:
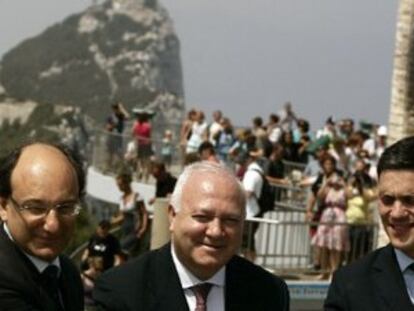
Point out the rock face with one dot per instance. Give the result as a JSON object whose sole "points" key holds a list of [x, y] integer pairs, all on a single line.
{"points": [[12, 111], [119, 50]]}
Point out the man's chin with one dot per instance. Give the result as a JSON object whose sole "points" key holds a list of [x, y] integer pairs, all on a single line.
{"points": [[45, 253], [405, 244]]}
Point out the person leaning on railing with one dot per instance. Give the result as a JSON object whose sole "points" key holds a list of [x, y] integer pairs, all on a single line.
{"points": [[165, 182], [132, 215]]}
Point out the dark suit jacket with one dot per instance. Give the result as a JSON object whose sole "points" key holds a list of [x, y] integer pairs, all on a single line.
{"points": [[151, 283], [372, 283], [19, 281]]}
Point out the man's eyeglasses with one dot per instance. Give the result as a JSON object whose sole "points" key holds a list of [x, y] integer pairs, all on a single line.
{"points": [[38, 209]]}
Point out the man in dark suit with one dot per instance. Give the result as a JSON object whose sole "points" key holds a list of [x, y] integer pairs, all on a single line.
{"points": [[199, 268], [40, 189], [384, 280]]}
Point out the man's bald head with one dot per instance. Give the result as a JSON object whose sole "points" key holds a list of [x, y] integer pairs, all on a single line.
{"points": [[37, 150], [40, 189]]}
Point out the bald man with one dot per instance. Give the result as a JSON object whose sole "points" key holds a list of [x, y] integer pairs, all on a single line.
{"points": [[199, 269], [40, 189]]}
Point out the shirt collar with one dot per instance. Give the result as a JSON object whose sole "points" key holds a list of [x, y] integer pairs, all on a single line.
{"points": [[188, 279], [403, 260], [40, 264]]}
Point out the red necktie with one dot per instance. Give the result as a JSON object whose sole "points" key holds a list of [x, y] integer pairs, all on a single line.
{"points": [[201, 292]]}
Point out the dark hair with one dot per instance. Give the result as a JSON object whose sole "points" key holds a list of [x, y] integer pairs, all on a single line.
{"points": [[105, 224], [398, 156], [159, 165], [258, 121], [304, 125], [274, 117], [8, 163], [328, 157], [125, 177], [206, 145]]}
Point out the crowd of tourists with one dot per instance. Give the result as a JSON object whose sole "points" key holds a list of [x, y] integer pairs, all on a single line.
{"points": [[336, 163]]}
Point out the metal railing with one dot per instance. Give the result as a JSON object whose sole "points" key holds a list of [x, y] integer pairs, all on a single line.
{"points": [[110, 152], [290, 167], [283, 241], [290, 196], [113, 151]]}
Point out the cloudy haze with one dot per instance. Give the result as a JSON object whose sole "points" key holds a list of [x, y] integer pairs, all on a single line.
{"points": [[327, 57]]}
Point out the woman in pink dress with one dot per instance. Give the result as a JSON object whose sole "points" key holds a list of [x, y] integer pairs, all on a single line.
{"points": [[332, 234]]}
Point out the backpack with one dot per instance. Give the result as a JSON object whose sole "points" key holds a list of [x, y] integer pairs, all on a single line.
{"points": [[267, 196]]}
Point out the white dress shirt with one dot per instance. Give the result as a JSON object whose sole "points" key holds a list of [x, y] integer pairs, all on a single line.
{"points": [[215, 299], [404, 261]]}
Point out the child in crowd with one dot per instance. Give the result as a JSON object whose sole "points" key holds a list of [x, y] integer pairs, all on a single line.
{"points": [[167, 148]]}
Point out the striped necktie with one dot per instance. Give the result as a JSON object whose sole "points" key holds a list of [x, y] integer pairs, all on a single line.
{"points": [[201, 292]]}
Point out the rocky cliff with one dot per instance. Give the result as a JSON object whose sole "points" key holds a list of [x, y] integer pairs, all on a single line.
{"points": [[116, 50]]}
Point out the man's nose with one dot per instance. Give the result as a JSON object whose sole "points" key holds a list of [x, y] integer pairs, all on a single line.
{"points": [[52, 222], [398, 210], [215, 228]]}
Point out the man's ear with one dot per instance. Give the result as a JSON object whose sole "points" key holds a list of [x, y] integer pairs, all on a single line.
{"points": [[171, 216], [3, 209]]}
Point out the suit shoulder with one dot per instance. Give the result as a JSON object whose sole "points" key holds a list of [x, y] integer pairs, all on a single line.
{"points": [[125, 286], [259, 288], [254, 272], [123, 273], [67, 262], [352, 286], [361, 266], [71, 269]]}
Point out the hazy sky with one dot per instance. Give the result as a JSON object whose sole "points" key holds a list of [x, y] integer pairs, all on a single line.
{"points": [[247, 57]]}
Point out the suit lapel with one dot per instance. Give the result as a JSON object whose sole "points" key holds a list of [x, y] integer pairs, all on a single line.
{"points": [[26, 274], [389, 282], [165, 284], [70, 295], [237, 290]]}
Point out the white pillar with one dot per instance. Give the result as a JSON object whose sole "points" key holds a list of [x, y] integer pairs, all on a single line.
{"points": [[160, 233]]}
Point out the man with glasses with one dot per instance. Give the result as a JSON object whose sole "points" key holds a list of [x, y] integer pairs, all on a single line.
{"points": [[40, 189], [384, 280]]}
